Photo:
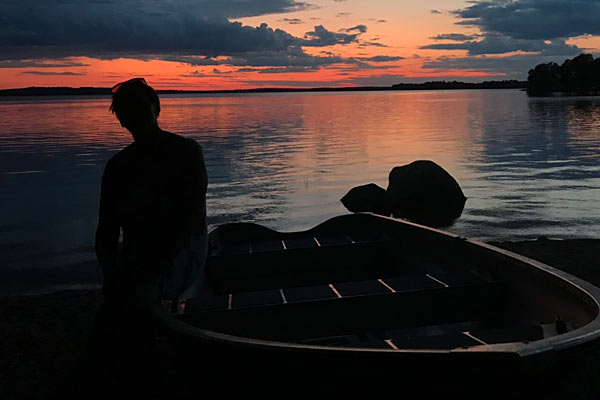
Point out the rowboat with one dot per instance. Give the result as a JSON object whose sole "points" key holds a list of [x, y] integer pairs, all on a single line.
{"points": [[362, 301]]}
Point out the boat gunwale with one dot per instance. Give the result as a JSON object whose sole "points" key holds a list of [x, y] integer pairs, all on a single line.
{"points": [[583, 335]]}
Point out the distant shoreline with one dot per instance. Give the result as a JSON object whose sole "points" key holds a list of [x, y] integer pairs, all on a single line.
{"points": [[434, 85]]}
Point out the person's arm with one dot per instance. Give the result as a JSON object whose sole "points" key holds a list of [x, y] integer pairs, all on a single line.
{"points": [[109, 229], [200, 183]]}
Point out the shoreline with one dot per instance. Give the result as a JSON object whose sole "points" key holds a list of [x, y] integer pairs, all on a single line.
{"points": [[431, 85], [42, 336]]}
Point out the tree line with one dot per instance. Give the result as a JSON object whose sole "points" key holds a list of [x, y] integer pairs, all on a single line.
{"points": [[579, 76], [450, 85]]}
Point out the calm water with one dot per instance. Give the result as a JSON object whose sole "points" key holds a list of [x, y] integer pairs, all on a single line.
{"points": [[529, 167]]}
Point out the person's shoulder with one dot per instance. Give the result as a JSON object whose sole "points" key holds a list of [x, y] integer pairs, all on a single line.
{"points": [[120, 158], [182, 142]]}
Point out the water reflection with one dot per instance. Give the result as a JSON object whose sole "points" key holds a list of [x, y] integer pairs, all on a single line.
{"points": [[534, 150], [529, 167]]}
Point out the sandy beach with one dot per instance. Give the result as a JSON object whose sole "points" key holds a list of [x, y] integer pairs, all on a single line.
{"points": [[42, 336]]}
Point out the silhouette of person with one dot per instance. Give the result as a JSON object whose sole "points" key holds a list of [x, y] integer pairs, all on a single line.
{"points": [[154, 191]]}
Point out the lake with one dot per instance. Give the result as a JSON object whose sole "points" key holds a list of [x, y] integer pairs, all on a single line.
{"points": [[529, 167]]}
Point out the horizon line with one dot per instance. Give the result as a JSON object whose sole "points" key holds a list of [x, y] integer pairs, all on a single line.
{"points": [[432, 85]]}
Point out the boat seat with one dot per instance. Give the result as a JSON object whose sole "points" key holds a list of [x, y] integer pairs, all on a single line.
{"points": [[260, 298], [304, 261], [346, 289], [353, 308], [427, 277], [307, 293]]}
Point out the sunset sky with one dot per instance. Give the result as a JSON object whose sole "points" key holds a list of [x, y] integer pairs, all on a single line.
{"points": [[230, 44]]}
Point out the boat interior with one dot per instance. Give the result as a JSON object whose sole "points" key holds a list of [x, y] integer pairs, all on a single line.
{"points": [[366, 282]]}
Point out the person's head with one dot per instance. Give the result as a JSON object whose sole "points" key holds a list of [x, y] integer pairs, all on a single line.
{"points": [[136, 106]]}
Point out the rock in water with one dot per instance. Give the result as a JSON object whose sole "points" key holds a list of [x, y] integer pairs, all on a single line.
{"points": [[424, 192], [368, 197]]}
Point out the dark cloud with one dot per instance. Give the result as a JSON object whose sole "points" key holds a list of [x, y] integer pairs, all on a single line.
{"points": [[382, 58], [217, 71], [196, 60], [357, 65], [233, 8], [41, 64], [322, 37], [507, 65], [50, 73], [248, 8], [196, 32], [501, 45], [343, 14], [435, 12], [371, 44], [197, 74], [280, 70], [540, 28], [229, 74], [293, 56], [35, 35], [512, 67], [112, 32], [292, 83], [292, 61], [381, 21], [26, 12], [360, 28], [292, 21], [453, 36], [534, 19]]}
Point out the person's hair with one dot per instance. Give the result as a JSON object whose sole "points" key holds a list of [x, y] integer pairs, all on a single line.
{"points": [[132, 97]]}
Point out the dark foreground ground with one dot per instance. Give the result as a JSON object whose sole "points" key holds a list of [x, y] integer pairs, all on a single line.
{"points": [[42, 337]]}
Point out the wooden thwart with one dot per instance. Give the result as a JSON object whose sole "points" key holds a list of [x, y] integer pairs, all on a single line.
{"points": [[296, 264], [301, 320]]}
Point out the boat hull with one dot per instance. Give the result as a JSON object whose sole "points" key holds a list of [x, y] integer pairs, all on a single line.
{"points": [[529, 292]]}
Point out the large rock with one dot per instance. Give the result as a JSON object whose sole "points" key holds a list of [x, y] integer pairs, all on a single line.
{"points": [[370, 197], [424, 192]]}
